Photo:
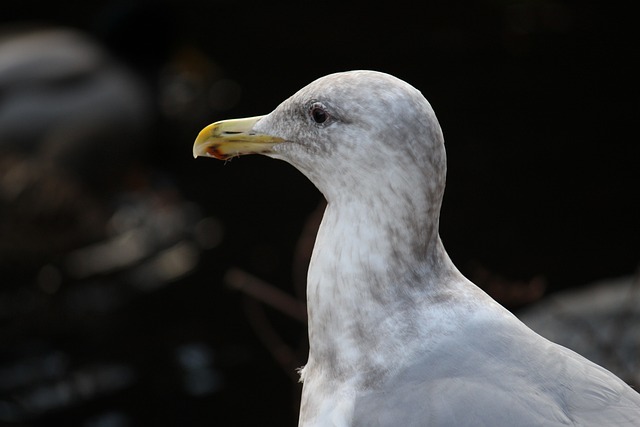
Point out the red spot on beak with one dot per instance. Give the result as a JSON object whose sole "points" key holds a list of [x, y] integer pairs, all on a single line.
{"points": [[214, 152]]}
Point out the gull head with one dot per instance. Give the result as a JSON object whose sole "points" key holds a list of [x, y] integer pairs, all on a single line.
{"points": [[360, 130]]}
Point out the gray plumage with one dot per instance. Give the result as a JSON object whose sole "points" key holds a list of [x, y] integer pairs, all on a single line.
{"points": [[398, 337]]}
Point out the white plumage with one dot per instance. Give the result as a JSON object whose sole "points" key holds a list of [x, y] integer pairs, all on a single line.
{"points": [[398, 337]]}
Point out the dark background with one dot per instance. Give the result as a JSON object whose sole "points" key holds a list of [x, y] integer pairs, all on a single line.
{"points": [[538, 104]]}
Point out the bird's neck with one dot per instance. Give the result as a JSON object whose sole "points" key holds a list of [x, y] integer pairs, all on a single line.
{"points": [[376, 270]]}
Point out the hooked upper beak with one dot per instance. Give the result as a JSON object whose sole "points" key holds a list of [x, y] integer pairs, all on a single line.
{"points": [[230, 138]]}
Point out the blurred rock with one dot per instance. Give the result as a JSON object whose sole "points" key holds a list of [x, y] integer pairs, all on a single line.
{"points": [[65, 101], [599, 321]]}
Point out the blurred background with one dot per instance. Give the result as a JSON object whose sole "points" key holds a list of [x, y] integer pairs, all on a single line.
{"points": [[139, 286]]}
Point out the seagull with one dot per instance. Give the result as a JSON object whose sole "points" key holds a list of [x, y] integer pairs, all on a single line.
{"points": [[397, 335]]}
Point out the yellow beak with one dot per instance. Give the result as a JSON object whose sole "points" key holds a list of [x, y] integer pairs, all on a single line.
{"points": [[231, 138]]}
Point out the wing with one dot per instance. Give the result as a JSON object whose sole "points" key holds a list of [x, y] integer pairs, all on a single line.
{"points": [[499, 374]]}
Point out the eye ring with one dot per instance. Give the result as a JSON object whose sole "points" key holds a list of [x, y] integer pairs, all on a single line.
{"points": [[319, 113]]}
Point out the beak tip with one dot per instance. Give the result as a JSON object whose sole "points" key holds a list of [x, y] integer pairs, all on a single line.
{"points": [[199, 147]]}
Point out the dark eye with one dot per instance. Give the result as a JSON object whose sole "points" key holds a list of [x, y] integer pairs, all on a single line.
{"points": [[318, 113]]}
